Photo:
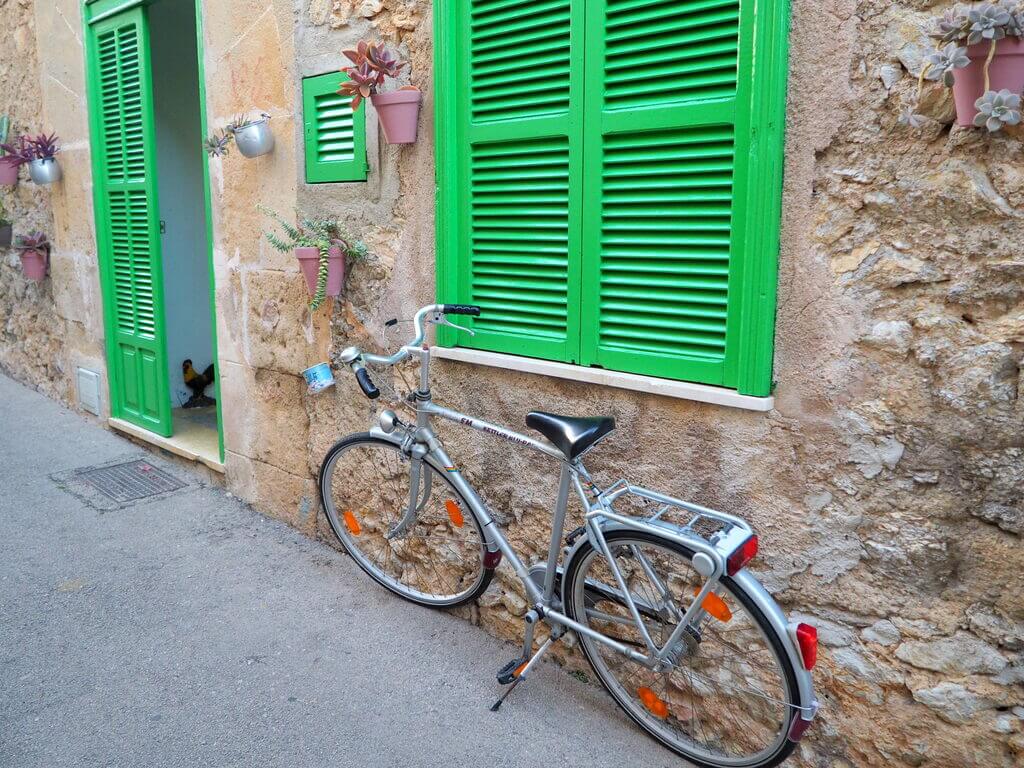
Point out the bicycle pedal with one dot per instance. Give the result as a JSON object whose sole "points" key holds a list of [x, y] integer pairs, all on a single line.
{"points": [[508, 673]]}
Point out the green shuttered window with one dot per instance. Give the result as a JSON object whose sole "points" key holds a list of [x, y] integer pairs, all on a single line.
{"points": [[610, 181], [335, 136]]}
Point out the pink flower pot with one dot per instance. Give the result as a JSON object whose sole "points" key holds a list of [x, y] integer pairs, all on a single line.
{"points": [[33, 264], [399, 113], [309, 263], [1006, 71], [8, 173]]}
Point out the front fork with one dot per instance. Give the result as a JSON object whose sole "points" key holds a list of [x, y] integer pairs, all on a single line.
{"points": [[417, 500]]}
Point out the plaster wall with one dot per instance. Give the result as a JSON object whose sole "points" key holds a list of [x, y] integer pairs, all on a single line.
{"points": [[886, 483]]}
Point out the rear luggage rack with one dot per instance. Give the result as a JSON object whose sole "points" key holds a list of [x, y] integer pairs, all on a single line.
{"points": [[640, 507]]}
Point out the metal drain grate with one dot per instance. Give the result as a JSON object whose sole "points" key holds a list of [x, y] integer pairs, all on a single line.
{"points": [[130, 481]]}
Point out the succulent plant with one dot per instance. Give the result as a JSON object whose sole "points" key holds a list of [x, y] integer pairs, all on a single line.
{"points": [[371, 64], [17, 152], [44, 147], [988, 22], [321, 233], [944, 61], [218, 144], [996, 109], [33, 241], [910, 118], [981, 23], [361, 84], [5, 128]]}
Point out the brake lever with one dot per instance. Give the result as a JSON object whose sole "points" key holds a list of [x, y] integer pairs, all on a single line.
{"points": [[440, 319]]}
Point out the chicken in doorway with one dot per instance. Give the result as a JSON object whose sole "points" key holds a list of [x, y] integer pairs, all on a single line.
{"points": [[197, 382]]}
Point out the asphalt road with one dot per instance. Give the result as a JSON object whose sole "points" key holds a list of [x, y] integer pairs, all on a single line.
{"points": [[189, 630]]}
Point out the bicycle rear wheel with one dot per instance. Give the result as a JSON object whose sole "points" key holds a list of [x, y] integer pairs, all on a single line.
{"points": [[438, 559], [729, 698]]}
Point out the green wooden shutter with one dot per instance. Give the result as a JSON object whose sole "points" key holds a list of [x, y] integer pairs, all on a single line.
{"points": [[669, 155], [650, 213], [124, 170], [511, 198], [335, 136]]}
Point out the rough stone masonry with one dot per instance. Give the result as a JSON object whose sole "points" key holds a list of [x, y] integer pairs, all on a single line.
{"points": [[886, 485]]}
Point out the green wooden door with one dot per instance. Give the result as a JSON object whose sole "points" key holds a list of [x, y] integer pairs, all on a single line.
{"points": [[127, 226]]}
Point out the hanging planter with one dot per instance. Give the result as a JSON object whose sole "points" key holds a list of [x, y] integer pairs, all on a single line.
{"points": [[321, 245], [9, 162], [1005, 72], [309, 263], [318, 377], [399, 110], [253, 137], [980, 55], [399, 114], [8, 171], [45, 170], [34, 249]]}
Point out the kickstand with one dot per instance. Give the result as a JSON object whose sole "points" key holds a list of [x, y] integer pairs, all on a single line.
{"points": [[522, 675]]}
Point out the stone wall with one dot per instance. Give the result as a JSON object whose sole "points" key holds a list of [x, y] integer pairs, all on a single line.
{"points": [[886, 483]]}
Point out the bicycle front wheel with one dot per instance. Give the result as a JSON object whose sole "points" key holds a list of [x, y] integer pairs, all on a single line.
{"points": [[728, 699], [434, 558]]}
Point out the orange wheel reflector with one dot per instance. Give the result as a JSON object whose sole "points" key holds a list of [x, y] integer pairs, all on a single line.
{"points": [[653, 702], [520, 668], [454, 513], [351, 523], [715, 606]]}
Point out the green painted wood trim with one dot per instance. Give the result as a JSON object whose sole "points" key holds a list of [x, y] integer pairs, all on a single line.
{"points": [[319, 171], [753, 333], [208, 212], [445, 127], [95, 11]]}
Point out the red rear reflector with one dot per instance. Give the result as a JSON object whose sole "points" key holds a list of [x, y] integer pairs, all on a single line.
{"points": [[807, 638], [744, 553], [799, 728]]}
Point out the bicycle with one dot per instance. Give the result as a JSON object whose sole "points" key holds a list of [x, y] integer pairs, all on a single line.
{"points": [[679, 632]]}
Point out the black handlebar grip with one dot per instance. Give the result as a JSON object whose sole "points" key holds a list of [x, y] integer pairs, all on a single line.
{"points": [[461, 309], [366, 384]]}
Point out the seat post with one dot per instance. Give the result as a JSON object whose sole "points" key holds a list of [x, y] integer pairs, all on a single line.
{"points": [[557, 526]]}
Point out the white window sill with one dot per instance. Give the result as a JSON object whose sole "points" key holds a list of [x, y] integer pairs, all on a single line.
{"points": [[700, 393]]}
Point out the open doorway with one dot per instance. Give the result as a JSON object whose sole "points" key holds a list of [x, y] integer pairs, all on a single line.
{"points": [[183, 227]]}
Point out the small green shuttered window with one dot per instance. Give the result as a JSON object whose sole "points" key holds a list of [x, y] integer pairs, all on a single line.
{"points": [[610, 181], [335, 136]]}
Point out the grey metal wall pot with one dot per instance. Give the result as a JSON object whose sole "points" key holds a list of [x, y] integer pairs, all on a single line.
{"points": [[45, 171], [255, 139], [6, 235]]}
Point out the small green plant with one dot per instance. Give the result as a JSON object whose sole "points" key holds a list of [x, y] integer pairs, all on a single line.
{"points": [[958, 28], [5, 129], [313, 232]]}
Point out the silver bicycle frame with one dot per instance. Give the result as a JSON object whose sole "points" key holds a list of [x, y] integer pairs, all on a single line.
{"points": [[422, 444]]}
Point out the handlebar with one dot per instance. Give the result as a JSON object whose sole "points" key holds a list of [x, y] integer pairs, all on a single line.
{"points": [[355, 357]]}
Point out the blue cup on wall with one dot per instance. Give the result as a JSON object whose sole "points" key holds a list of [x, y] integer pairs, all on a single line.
{"points": [[319, 377]]}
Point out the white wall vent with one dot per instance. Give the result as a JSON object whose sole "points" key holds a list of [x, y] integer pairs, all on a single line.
{"points": [[89, 391]]}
